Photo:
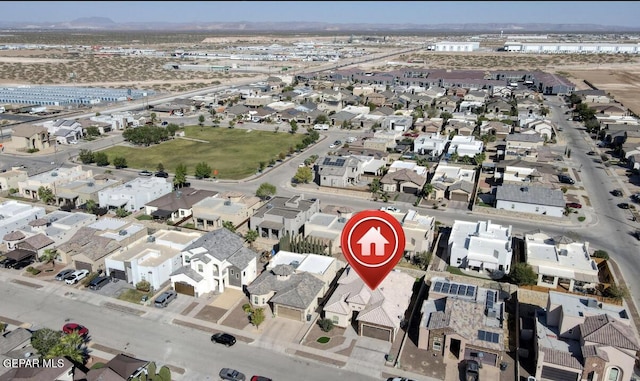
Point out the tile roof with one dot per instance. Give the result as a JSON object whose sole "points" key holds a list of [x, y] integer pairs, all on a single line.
{"points": [[530, 194], [404, 175], [36, 242], [189, 272], [183, 198], [604, 329], [87, 241], [563, 358], [224, 246], [10, 340], [594, 351], [296, 290]]}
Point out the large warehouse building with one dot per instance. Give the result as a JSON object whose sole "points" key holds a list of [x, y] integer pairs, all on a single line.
{"points": [[568, 48], [66, 95]]}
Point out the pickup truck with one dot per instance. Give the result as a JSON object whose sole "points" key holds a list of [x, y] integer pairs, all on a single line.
{"points": [[472, 371]]}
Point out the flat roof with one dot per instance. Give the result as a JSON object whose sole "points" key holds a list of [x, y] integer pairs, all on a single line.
{"points": [[311, 263]]}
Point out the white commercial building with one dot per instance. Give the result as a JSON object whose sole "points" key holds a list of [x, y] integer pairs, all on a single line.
{"points": [[447, 46], [480, 246], [564, 47], [133, 195]]}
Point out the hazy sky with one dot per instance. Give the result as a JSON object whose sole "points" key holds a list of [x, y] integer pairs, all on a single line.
{"points": [[620, 13]]}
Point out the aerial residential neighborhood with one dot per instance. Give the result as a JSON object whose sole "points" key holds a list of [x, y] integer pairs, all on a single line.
{"points": [[176, 205]]}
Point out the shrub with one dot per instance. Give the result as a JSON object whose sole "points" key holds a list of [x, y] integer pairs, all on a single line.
{"points": [[601, 254], [98, 365], [246, 307], [91, 276], [581, 218], [143, 286], [326, 325]]}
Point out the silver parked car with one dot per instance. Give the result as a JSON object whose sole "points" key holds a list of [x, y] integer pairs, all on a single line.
{"points": [[165, 298]]}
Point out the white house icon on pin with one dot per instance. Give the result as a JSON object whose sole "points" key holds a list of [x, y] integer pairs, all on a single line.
{"points": [[375, 238]]}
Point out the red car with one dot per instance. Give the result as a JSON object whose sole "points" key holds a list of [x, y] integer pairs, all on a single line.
{"points": [[574, 205], [75, 327], [260, 378]]}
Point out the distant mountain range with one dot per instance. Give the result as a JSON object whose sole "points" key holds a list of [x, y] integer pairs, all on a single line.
{"points": [[106, 24]]}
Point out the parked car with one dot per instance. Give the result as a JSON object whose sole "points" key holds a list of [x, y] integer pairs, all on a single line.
{"points": [[98, 282], [637, 234], [399, 379], [7, 263], [390, 209], [565, 179], [75, 327], [165, 298], [260, 378], [231, 375], [76, 276], [471, 372], [616, 192], [64, 273], [162, 174], [145, 173], [574, 205], [223, 338], [636, 197], [591, 153], [623, 205], [19, 265], [332, 145]]}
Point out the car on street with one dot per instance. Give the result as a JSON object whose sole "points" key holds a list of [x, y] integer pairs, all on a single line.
{"points": [[145, 173], [165, 298], [565, 179], [591, 153], [19, 265], [637, 234], [623, 205], [76, 276], [231, 375], [574, 205], [64, 273], [260, 378], [616, 192], [399, 379], [390, 209], [75, 327], [7, 263], [636, 197], [162, 174], [223, 338]]}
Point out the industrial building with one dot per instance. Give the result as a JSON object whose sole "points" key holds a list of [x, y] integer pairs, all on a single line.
{"points": [[66, 95], [568, 48]]}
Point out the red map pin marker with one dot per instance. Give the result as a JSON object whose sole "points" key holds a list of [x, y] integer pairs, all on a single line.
{"points": [[373, 243]]}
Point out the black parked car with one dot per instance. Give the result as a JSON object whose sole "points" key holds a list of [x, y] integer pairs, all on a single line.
{"points": [[616, 192], [623, 205], [162, 174], [223, 338], [566, 179], [7, 263], [19, 265]]}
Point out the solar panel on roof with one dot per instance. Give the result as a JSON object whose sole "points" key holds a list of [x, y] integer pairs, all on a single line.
{"points": [[471, 290], [326, 161], [437, 287], [462, 289], [454, 289], [445, 288]]}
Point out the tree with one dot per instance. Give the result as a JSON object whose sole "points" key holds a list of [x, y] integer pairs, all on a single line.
{"points": [[523, 274], [375, 186], [49, 256], [153, 117], [44, 339], [616, 292], [372, 106], [201, 120], [303, 175], [90, 206], [92, 131], [282, 156], [45, 194], [86, 156], [479, 158], [122, 212], [69, 345], [212, 112], [229, 226], [426, 190], [326, 325], [203, 170], [119, 162], [294, 126], [423, 258], [160, 167], [143, 286], [257, 316], [265, 190], [232, 124], [445, 115], [321, 119], [101, 159], [454, 157], [180, 177], [172, 128], [251, 236]]}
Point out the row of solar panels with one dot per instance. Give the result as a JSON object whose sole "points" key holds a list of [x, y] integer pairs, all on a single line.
{"points": [[454, 289]]}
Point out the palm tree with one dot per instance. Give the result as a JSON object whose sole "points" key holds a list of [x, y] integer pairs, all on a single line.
{"points": [[49, 256], [426, 190], [90, 205], [69, 346], [251, 236]]}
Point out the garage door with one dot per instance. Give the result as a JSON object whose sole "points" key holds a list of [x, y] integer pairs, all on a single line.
{"points": [[83, 266], [458, 197], [375, 332], [184, 288], [289, 313], [118, 274], [410, 190]]}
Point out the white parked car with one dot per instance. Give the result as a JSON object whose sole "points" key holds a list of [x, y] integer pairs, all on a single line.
{"points": [[390, 209], [332, 145], [76, 276]]}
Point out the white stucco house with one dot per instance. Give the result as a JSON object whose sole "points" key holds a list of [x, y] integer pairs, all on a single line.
{"points": [[133, 195], [528, 198], [430, 144], [480, 246], [465, 146]]}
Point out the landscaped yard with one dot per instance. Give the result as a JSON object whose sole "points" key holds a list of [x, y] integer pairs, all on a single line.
{"points": [[234, 153], [134, 296]]}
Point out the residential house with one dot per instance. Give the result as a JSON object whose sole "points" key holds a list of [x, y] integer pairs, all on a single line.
{"points": [[528, 198], [14, 215], [380, 143], [545, 128], [519, 171], [52, 179], [103, 127], [133, 195], [429, 126], [337, 171], [65, 131], [91, 244], [372, 164], [460, 127], [177, 205], [593, 96], [120, 368], [465, 146], [560, 261], [283, 215], [523, 145], [404, 181], [213, 262], [11, 178], [27, 137], [480, 246], [237, 112], [397, 123], [610, 110], [447, 104], [418, 230], [432, 144], [58, 226], [151, 258], [498, 129], [327, 228], [211, 212], [579, 338], [119, 121], [498, 106], [293, 284], [476, 96], [464, 320], [376, 99], [78, 192], [453, 182], [400, 164], [378, 313]]}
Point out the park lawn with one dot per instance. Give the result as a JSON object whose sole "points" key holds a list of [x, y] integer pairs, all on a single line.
{"points": [[234, 153]]}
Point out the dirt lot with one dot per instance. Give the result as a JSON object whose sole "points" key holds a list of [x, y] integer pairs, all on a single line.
{"points": [[623, 82]]}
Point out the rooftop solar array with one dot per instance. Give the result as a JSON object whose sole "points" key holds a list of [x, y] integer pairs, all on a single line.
{"points": [[336, 163], [456, 289], [491, 337]]}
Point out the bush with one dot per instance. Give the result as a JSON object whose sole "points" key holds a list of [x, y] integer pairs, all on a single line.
{"points": [[143, 286], [98, 365], [601, 254], [91, 276], [246, 307], [326, 325], [581, 218]]}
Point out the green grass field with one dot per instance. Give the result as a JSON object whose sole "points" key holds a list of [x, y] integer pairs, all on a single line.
{"points": [[234, 153]]}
